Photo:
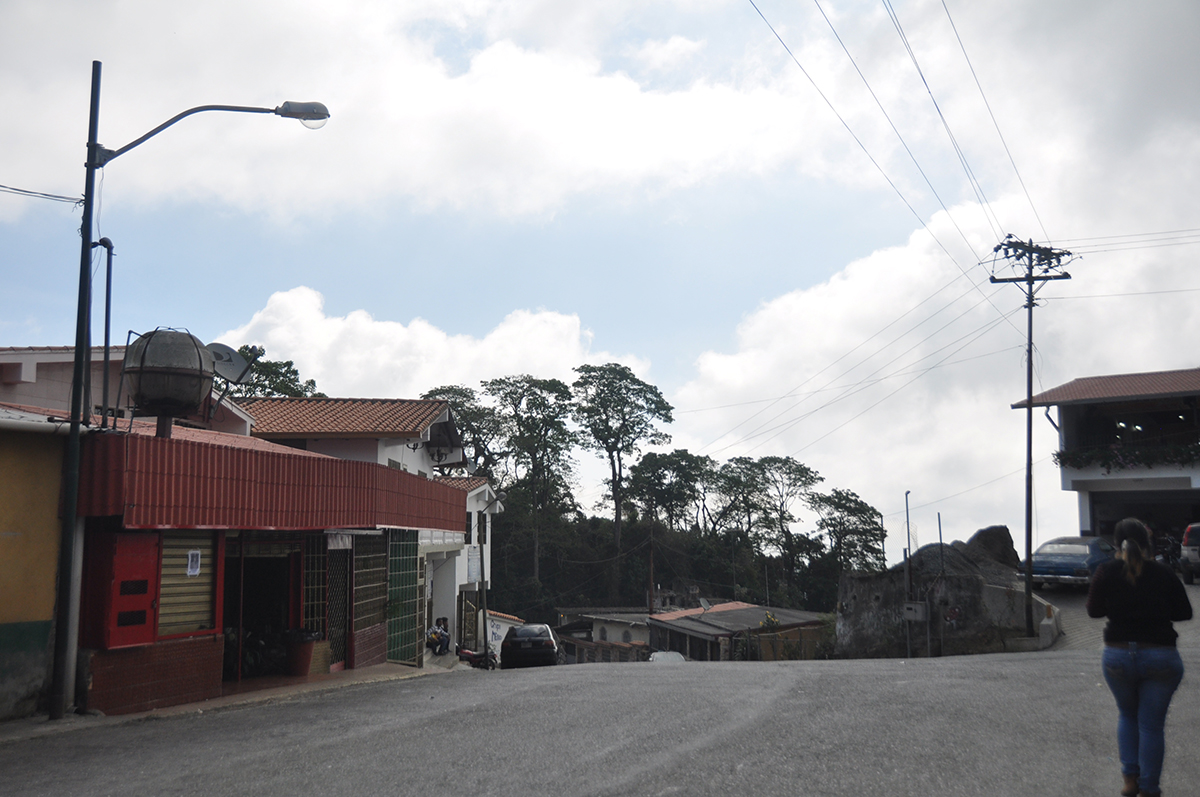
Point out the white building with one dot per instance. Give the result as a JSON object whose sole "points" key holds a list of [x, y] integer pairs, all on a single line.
{"points": [[1129, 446]]}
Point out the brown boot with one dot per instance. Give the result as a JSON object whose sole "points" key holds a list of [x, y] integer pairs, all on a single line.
{"points": [[1131, 786]]}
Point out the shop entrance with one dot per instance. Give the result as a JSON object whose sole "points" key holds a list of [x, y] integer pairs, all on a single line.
{"points": [[262, 606]]}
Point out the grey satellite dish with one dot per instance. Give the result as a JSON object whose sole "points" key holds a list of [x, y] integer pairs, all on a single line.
{"points": [[228, 364]]}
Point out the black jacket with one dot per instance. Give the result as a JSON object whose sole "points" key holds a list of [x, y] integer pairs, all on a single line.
{"points": [[1140, 612]]}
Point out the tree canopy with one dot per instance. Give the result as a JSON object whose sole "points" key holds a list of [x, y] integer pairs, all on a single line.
{"points": [[271, 377]]}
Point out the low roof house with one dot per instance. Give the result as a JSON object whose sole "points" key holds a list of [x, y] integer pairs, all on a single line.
{"points": [[709, 634]]}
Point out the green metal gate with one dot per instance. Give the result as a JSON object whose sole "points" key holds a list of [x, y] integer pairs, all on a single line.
{"points": [[405, 598]]}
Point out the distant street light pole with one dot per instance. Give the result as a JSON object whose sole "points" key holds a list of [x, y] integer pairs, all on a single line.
{"points": [[310, 114], [1041, 263]]}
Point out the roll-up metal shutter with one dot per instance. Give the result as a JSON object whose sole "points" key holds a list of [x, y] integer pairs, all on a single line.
{"points": [[186, 601]]}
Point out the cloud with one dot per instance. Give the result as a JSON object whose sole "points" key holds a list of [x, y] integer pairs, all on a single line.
{"points": [[363, 357], [668, 54]]}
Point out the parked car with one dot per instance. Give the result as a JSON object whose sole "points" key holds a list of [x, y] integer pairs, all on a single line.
{"points": [[666, 656], [1070, 560], [1189, 553], [529, 645]]}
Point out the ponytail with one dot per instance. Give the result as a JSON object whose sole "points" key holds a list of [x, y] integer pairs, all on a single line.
{"points": [[1131, 552], [1133, 538]]}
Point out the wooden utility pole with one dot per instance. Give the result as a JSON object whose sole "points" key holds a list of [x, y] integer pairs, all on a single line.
{"points": [[1041, 264]]}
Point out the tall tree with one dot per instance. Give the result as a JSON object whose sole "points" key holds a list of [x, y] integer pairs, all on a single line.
{"points": [[852, 527], [271, 377], [534, 415], [479, 424], [786, 483], [618, 412]]}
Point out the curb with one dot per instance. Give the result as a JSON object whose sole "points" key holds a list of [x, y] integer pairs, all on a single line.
{"points": [[40, 726]]}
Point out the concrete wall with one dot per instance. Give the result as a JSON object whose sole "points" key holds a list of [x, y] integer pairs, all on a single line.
{"points": [[30, 477]]}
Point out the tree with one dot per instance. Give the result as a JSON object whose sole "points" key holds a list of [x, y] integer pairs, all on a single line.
{"points": [[533, 415], [272, 377], [785, 483], [479, 424], [853, 528], [618, 413], [667, 486]]}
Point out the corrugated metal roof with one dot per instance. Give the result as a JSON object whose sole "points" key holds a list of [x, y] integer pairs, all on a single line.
{"points": [[1120, 387], [153, 482], [727, 619], [342, 417]]}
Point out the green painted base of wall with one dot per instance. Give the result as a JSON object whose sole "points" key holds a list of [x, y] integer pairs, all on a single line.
{"points": [[24, 662]]}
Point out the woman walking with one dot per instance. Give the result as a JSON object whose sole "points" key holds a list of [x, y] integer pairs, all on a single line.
{"points": [[1140, 598]]}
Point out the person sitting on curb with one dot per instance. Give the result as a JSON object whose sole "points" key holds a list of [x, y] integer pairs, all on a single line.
{"points": [[438, 638]]}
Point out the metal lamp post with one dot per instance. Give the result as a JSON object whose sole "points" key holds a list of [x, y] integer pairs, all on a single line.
{"points": [[311, 114]]}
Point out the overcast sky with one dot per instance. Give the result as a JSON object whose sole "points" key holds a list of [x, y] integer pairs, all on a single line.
{"points": [[509, 187]]}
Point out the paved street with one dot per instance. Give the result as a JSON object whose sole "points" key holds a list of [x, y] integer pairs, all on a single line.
{"points": [[1038, 723]]}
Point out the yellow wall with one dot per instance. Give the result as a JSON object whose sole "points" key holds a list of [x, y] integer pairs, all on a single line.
{"points": [[30, 477]]}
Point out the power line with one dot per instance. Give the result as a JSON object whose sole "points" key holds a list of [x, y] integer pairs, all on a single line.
{"points": [[8, 189], [988, 214], [903, 143], [995, 123]]}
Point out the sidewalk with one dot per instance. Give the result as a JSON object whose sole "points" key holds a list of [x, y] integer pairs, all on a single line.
{"points": [[249, 692]]}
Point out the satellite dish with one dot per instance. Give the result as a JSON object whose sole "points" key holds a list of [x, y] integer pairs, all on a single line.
{"points": [[228, 364]]}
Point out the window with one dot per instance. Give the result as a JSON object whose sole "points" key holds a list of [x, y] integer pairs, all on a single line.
{"points": [[603, 633]]}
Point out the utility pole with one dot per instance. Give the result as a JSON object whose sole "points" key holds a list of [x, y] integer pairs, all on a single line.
{"points": [[1041, 264]]}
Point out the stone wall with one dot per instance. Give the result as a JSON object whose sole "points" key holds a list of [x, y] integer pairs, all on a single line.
{"points": [[970, 594]]}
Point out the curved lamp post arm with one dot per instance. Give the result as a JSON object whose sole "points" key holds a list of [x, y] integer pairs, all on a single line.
{"points": [[311, 114]]}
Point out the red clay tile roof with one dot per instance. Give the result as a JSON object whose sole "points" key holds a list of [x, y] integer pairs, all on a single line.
{"points": [[505, 616], [467, 483], [1120, 387], [148, 428], [341, 417]]}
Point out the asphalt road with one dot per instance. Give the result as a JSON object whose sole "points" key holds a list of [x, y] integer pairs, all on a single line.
{"points": [[1003, 724]]}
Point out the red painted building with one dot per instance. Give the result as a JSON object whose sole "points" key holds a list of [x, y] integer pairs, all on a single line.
{"points": [[207, 554]]}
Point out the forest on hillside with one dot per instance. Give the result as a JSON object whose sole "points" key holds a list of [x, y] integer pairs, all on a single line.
{"points": [[674, 520]]}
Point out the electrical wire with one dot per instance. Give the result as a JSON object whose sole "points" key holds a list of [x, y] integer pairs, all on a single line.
{"points": [[8, 189], [847, 392], [894, 392], [988, 214], [904, 143], [995, 123]]}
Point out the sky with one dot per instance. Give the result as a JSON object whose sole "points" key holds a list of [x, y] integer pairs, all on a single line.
{"points": [[782, 214]]}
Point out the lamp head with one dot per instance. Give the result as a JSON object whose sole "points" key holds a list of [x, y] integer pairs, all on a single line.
{"points": [[312, 115]]}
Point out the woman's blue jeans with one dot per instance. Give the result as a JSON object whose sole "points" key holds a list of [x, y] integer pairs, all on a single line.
{"points": [[1142, 679]]}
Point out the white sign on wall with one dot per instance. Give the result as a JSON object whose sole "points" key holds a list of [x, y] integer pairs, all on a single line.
{"points": [[474, 571], [193, 564]]}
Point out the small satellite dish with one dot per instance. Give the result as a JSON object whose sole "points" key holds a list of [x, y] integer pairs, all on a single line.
{"points": [[704, 604], [228, 364]]}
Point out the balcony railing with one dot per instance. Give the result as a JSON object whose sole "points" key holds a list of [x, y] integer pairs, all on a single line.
{"points": [[1125, 457]]}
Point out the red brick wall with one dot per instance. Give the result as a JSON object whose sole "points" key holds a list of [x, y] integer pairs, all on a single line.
{"points": [[370, 646], [164, 674]]}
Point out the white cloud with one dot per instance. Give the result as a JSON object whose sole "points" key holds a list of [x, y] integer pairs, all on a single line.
{"points": [[360, 356], [668, 54]]}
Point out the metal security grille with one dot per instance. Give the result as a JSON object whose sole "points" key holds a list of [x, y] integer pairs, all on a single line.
{"points": [[338, 604], [468, 619], [370, 581], [186, 602], [313, 597], [405, 590]]}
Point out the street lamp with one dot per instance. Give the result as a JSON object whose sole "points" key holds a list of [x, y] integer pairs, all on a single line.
{"points": [[310, 114]]}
